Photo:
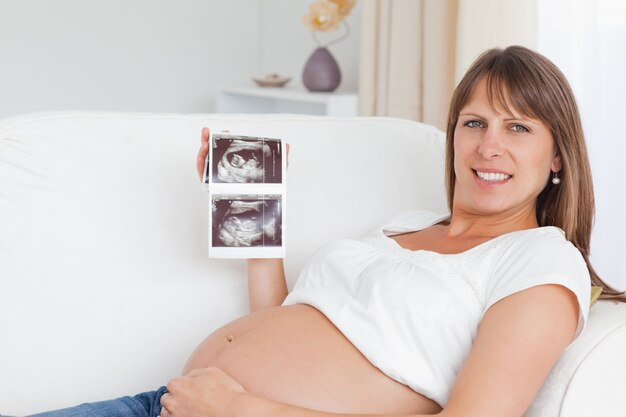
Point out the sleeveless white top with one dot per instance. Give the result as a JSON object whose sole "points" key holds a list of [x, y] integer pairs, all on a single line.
{"points": [[414, 314]]}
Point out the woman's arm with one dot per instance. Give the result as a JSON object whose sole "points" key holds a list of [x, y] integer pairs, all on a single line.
{"points": [[519, 340], [267, 286]]}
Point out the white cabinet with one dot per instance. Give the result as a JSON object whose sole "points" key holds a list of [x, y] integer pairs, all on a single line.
{"points": [[286, 100]]}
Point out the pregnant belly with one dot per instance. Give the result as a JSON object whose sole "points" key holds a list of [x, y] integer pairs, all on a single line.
{"points": [[294, 354]]}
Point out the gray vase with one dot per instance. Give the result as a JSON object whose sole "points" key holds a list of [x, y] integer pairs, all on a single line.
{"points": [[321, 71]]}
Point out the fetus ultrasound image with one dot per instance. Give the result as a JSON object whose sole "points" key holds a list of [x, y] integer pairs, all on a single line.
{"points": [[247, 221], [241, 159]]}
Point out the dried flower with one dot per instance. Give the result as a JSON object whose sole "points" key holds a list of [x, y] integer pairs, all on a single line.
{"points": [[323, 16], [344, 6]]}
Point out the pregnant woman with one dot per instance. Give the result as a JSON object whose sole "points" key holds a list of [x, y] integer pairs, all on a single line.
{"points": [[458, 314]]}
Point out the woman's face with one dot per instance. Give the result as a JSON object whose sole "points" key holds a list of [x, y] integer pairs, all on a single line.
{"points": [[502, 161]]}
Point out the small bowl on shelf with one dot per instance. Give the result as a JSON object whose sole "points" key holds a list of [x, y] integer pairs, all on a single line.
{"points": [[271, 80]]}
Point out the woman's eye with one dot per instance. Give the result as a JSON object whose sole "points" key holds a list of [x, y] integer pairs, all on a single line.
{"points": [[519, 129], [473, 123]]}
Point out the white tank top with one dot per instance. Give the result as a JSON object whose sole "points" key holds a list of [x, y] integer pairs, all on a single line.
{"points": [[414, 314]]}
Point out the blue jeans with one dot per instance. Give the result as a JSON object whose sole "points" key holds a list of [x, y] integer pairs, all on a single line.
{"points": [[147, 404]]}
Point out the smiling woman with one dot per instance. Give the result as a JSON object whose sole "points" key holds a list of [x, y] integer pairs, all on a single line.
{"points": [[527, 91], [434, 312]]}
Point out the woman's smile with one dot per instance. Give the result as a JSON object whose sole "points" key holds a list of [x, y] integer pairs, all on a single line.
{"points": [[490, 176]]}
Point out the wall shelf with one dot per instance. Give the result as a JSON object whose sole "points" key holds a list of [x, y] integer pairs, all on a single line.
{"points": [[286, 100]]}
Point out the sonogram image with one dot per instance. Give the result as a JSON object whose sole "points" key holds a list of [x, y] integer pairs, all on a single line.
{"points": [[246, 221], [243, 159]]}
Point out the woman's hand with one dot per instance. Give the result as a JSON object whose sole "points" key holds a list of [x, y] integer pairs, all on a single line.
{"points": [[204, 392]]}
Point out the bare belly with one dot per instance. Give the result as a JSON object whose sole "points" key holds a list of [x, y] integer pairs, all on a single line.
{"points": [[294, 354]]}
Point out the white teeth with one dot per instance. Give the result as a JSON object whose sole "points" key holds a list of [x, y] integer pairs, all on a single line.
{"points": [[493, 176]]}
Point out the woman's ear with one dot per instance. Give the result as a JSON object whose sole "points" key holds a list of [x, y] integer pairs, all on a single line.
{"points": [[556, 163]]}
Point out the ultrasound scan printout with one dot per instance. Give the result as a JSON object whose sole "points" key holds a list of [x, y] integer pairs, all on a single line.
{"points": [[245, 177]]}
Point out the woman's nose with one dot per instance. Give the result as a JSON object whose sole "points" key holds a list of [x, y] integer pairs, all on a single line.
{"points": [[491, 144]]}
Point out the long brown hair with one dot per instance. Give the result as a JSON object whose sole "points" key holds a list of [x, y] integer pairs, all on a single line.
{"points": [[527, 81]]}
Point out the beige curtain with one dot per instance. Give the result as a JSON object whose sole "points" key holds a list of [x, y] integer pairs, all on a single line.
{"points": [[484, 24], [414, 51]]}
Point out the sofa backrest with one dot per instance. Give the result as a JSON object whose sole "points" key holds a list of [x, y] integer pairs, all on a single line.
{"points": [[104, 231]]}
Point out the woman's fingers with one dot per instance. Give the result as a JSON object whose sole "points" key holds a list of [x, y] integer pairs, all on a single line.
{"points": [[203, 151], [164, 400]]}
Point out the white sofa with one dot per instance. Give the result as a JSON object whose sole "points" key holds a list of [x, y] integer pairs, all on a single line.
{"points": [[105, 286]]}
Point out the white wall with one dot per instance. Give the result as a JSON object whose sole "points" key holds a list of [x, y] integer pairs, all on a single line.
{"points": [[150, 55]]}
